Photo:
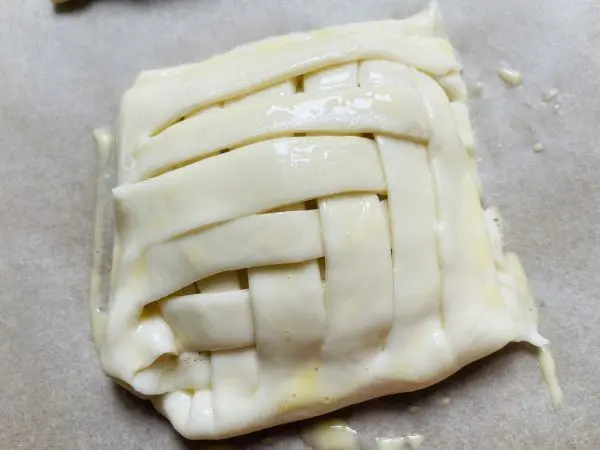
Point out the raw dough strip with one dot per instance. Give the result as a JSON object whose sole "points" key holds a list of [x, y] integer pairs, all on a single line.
{"points": [[209, 84], [358, 280], [411, 206], [412, 212], [289, 314], [359, 283], [397, 112], [266, 239], [251, 180], [249, 377], [287, 301], [223, 281], [426, 23], [235, 378], [470, 291], [209, 322]]}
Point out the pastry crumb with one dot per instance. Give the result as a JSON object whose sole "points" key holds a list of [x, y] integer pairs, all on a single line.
{"points": [[550, 94], [413, 409], [510, 76], [538, 147], [444, 401]]}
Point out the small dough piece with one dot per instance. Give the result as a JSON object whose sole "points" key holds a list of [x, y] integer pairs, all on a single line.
{"points": [[300, 228], [210, 322]]}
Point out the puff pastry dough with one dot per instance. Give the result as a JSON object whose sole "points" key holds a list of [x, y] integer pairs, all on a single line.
{"points": [[299, 228]]}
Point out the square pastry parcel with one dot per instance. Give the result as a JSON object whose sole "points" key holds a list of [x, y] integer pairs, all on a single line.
{"points": [[299, 227]]}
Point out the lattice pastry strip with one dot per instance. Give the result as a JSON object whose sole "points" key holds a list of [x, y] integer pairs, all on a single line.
{"points": [[299, 228], [357, 251]]}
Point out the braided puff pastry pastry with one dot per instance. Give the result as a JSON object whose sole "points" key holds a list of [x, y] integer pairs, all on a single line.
{"points": [[300, 228]]}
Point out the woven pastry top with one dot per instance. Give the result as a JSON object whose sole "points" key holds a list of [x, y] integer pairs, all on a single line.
{"points": [[299, 228]]}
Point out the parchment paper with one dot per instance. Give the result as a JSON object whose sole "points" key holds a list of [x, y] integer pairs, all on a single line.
{"points": [[62, 74]]}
